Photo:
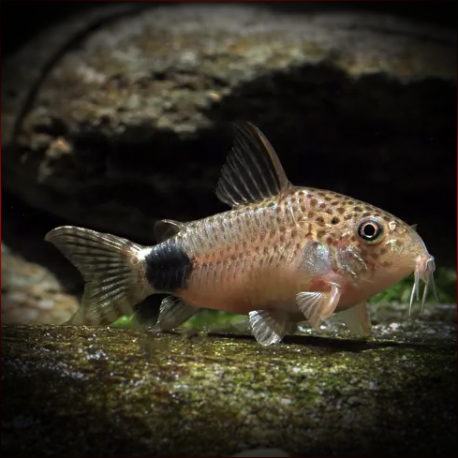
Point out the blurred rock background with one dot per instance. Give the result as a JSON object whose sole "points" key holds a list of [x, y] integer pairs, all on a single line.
{"points": [[115, 115], [118, 116]]}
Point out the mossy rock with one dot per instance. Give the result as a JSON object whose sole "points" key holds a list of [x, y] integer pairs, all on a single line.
{"points": [[78, 391]]}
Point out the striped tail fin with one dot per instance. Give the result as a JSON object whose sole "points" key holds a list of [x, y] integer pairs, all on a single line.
{"points": [[113, 268]]}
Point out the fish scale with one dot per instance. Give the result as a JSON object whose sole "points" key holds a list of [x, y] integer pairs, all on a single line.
{"points": [[275, 239], [282, 254]]}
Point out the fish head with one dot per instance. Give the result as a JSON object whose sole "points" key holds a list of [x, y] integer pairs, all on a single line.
{"points": [[391, 250], [370, 247]]}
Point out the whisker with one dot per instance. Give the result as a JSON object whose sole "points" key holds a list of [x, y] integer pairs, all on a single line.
{"points": [[415, 290], [433, 289], [412, 296], [423, 299]]}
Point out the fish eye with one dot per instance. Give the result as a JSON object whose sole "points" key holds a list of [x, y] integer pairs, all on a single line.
{"points": [[370, 231]]}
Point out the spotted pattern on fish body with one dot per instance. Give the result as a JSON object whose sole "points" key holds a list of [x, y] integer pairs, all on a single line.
{"points": [[282, 254], [251, 257]]}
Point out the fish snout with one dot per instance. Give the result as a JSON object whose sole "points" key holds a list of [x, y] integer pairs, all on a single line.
{"points": [[425, 267], [424, 271]]}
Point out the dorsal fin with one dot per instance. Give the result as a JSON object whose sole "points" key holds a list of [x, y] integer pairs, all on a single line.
{"points": [[167, 228], [252, 171]]}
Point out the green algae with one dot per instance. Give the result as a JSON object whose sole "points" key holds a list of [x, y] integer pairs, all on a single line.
{"points": [[215, 395], [445, 280]]}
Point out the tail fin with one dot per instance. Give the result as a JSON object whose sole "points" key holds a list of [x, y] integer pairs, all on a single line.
{"points": [[113, 268]]}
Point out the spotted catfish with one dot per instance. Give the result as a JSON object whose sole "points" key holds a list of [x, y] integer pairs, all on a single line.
{"points": [[282, 254]]}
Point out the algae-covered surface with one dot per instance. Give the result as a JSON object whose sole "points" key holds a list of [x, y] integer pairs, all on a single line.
{"points": [[79, 391], [106, 123]]}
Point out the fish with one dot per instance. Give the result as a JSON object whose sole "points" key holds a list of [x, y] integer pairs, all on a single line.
{"points": [[281, 254]]}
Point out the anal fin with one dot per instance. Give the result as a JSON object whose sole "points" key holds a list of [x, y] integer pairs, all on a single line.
{"points": [[270, 327], [357, 319], [173, 312]]}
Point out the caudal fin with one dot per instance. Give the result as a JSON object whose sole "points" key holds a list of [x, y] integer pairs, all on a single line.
{"points": [[113, 269]]}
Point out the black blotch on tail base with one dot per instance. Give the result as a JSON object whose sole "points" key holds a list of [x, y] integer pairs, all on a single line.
{"points": [[168, 266]]}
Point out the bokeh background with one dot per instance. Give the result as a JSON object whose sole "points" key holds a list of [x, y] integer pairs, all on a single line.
{"points": [[353, 99], [117, 114]]}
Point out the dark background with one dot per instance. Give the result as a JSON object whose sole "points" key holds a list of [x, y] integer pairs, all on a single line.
{"points": [[22, 20]]}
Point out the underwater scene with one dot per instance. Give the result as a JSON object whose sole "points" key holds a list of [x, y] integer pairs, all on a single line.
{"points": [[229, 229]]}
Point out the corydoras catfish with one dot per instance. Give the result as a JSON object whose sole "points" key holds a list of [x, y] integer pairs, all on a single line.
{"points": [[282, 254]]}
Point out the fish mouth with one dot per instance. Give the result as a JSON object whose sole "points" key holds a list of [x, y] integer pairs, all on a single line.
{"points": [[424, 270]]}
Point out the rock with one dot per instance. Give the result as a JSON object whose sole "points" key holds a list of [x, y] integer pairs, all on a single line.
{"points": [[83, 391], [265, 452], [38, 284], [32, 294], [108, 120]]}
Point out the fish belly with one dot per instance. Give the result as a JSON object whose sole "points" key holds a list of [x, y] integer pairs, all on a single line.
{"points": [[240, 290], [244, 260], [245, 276]]}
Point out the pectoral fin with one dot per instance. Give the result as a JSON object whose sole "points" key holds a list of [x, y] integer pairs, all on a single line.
{"points": [[357, 319], [270, 327], [317, 306]]}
